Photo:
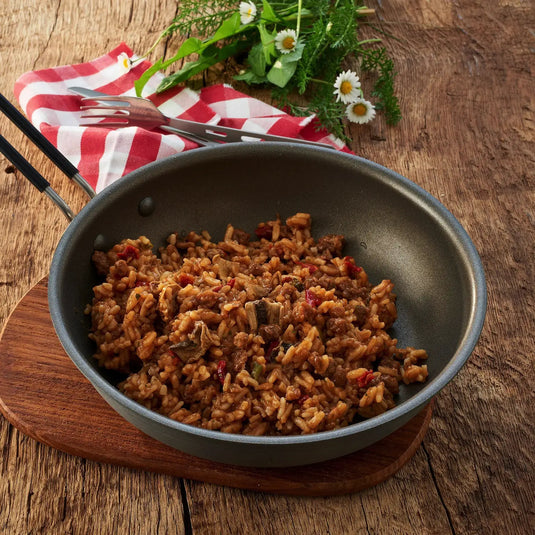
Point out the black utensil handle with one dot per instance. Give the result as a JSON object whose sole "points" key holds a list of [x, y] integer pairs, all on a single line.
{"points": [[28, 170], [33, 133]]}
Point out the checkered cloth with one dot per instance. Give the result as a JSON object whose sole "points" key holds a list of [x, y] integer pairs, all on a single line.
{"points": [[104, 155]]}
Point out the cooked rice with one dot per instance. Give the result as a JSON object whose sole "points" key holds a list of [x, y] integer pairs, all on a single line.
{"points": [[281, 335]]}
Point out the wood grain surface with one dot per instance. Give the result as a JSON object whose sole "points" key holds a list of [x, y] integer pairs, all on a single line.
{"points": [[467, 91], [60, 408]]}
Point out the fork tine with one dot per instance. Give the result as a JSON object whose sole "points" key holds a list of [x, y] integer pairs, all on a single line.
{"points": [[106, 116], [106, 124], [105, 107], [118, 98]]}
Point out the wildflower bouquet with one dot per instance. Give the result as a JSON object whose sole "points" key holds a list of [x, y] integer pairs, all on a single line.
{"points": [[295, 48]]}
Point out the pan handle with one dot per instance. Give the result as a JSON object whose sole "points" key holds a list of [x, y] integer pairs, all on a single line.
{"points": [[33, 176], [46, 147]]}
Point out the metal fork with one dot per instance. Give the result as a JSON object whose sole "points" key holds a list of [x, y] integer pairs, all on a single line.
{"points": [[135, 111]]}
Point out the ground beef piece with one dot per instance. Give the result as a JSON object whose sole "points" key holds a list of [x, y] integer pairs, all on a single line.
{"points": [[387, 316], [101, 262], [350, 289], [332, 244], [391, 383], [338, 326], [325, 281], [390, 362], [341, 346], [285, 232], [255, 269], [290, 291], [269, 332], [241, 236], [238, 361], [361, 314], [339, 377], [189, 393], [303, 312]]}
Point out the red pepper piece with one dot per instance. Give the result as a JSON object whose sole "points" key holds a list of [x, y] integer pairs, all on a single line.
{"points": [[352, 269], [311, 267], [312, 299], [141, 283], [217, 288], [128, 253], [365, 378], [231, 282], [184, 279], [221, 370]]}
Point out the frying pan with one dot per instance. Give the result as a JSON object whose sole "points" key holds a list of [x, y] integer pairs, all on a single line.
{"points": [[393, 228]]}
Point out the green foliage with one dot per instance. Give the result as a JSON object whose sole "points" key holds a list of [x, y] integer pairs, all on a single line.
{"points": [[201, 17], [377, 60], [343, 22], [327, 37]]}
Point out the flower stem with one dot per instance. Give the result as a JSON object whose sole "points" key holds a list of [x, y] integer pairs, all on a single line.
{"points": [[369, 41], [299, 8], [318, 81], [364, 11]]}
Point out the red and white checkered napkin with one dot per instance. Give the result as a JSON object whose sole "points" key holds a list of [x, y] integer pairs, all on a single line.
{"points": [[104, 155]]}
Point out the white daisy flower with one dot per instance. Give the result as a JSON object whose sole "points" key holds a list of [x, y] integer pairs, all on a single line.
{"points": [[247, 12], [286, 41], [347, 87], [361, 111], [124, 62]]}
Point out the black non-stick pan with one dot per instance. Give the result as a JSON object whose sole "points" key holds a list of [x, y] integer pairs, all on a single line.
{"points": [[393, 228]]}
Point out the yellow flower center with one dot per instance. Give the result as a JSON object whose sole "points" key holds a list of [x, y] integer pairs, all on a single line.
{"points": [[288, 43], [360, 109], [345, 87], [250, 12]]}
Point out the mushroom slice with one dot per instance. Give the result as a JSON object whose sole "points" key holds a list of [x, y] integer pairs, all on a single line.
{"points": [[198, 342], [262, 312], [225, 267]]}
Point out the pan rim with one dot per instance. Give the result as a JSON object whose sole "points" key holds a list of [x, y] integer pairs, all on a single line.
{"points": [[458, 235]]}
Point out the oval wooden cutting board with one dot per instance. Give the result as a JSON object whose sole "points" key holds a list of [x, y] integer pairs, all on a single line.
{"points": [[44, 395]]}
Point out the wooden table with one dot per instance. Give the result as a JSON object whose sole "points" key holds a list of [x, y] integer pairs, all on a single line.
{"points": [[467, 136]]}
